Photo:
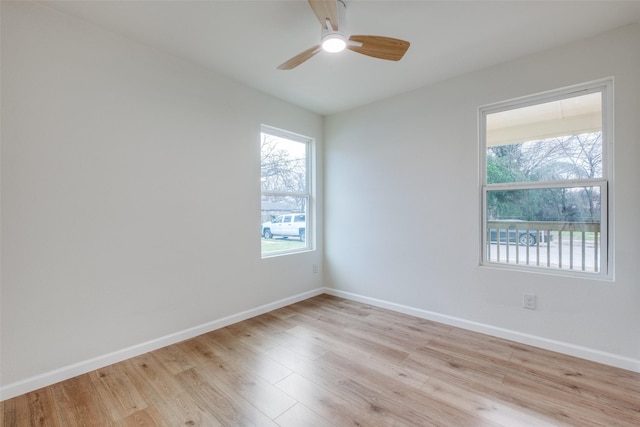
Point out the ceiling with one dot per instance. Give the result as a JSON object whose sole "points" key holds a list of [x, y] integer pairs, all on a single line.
{"points": [[247, 40]]}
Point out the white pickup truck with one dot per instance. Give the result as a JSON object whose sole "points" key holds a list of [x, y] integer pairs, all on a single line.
{"points": [[288, 225]]}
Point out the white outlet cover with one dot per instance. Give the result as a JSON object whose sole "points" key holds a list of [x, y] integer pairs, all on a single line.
{"points": [[529, 301]]}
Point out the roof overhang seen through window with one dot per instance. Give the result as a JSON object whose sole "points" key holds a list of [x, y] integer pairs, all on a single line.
{"points": [[569, 116]]}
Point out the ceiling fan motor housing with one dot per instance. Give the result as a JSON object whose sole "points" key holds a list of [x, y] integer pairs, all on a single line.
{"points": [[330, 37]]}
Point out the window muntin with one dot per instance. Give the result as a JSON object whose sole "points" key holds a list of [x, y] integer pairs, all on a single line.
{"points": [[285, 191], [545, 181]]}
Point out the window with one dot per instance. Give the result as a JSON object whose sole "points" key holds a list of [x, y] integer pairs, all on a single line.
{"points": [[545, 175], [286, 192]]}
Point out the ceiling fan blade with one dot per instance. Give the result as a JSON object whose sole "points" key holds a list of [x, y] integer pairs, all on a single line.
{"points": [[326, 9], [379, 47], [299, 58]]}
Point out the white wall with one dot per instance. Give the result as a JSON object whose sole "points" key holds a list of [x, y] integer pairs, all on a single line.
{"points": [[130, 195], [402, 207], [130, 199]]}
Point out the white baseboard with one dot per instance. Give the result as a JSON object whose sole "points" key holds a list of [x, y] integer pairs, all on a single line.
{"points": [[30, 384], [536, 341]]}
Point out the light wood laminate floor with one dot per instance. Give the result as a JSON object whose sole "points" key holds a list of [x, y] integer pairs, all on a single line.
{"points": [[328, 361]]}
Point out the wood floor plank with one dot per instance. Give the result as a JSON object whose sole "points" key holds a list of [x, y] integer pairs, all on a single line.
{"points": [[394, 369], [225, 404], [117, 392], [389, 336], [147, 417], [435, 362], [161, 390], [327, 404], [299, 415], [149, 374], [340, 308], [366, 345], [411, 405], [173, 359], [586, 372], [261, 339], [477, 344], [36, 408], [187, 411], [77, 404], [328, 361], [267, 369], [575, 403], [283, 312], [485, 406], [219, 368]]}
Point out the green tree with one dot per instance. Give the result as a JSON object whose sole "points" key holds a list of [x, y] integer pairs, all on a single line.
{"points": [[553, 159]]}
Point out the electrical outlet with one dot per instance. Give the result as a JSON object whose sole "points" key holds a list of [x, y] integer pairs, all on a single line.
{"points": [[315, 268], [529, 301]]}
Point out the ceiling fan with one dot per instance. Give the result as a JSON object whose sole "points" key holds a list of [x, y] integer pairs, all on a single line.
{"points": [[333, 37]]}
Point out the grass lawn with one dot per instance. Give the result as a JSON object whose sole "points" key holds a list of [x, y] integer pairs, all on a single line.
{"points": [[277, 245]]}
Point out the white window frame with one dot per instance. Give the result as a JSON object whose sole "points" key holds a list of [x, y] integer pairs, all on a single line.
{"points": [[307, 195], [605, 87]]}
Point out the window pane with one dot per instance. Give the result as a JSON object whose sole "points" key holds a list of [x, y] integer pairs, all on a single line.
{"points": [[283, 165], [550, 141], [284, 223], [570, 204], [549, 227], [556, 159]]}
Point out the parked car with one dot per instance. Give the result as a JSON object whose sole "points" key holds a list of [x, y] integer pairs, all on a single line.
{"points": [[288, 225], [522, 237]]}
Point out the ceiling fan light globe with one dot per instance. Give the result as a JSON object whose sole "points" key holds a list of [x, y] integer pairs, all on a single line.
{"points": [[333, 44]]}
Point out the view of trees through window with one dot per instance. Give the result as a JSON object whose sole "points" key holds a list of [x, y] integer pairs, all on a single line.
{"points": [[567, 158], [284, 192], [545, 181]]}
